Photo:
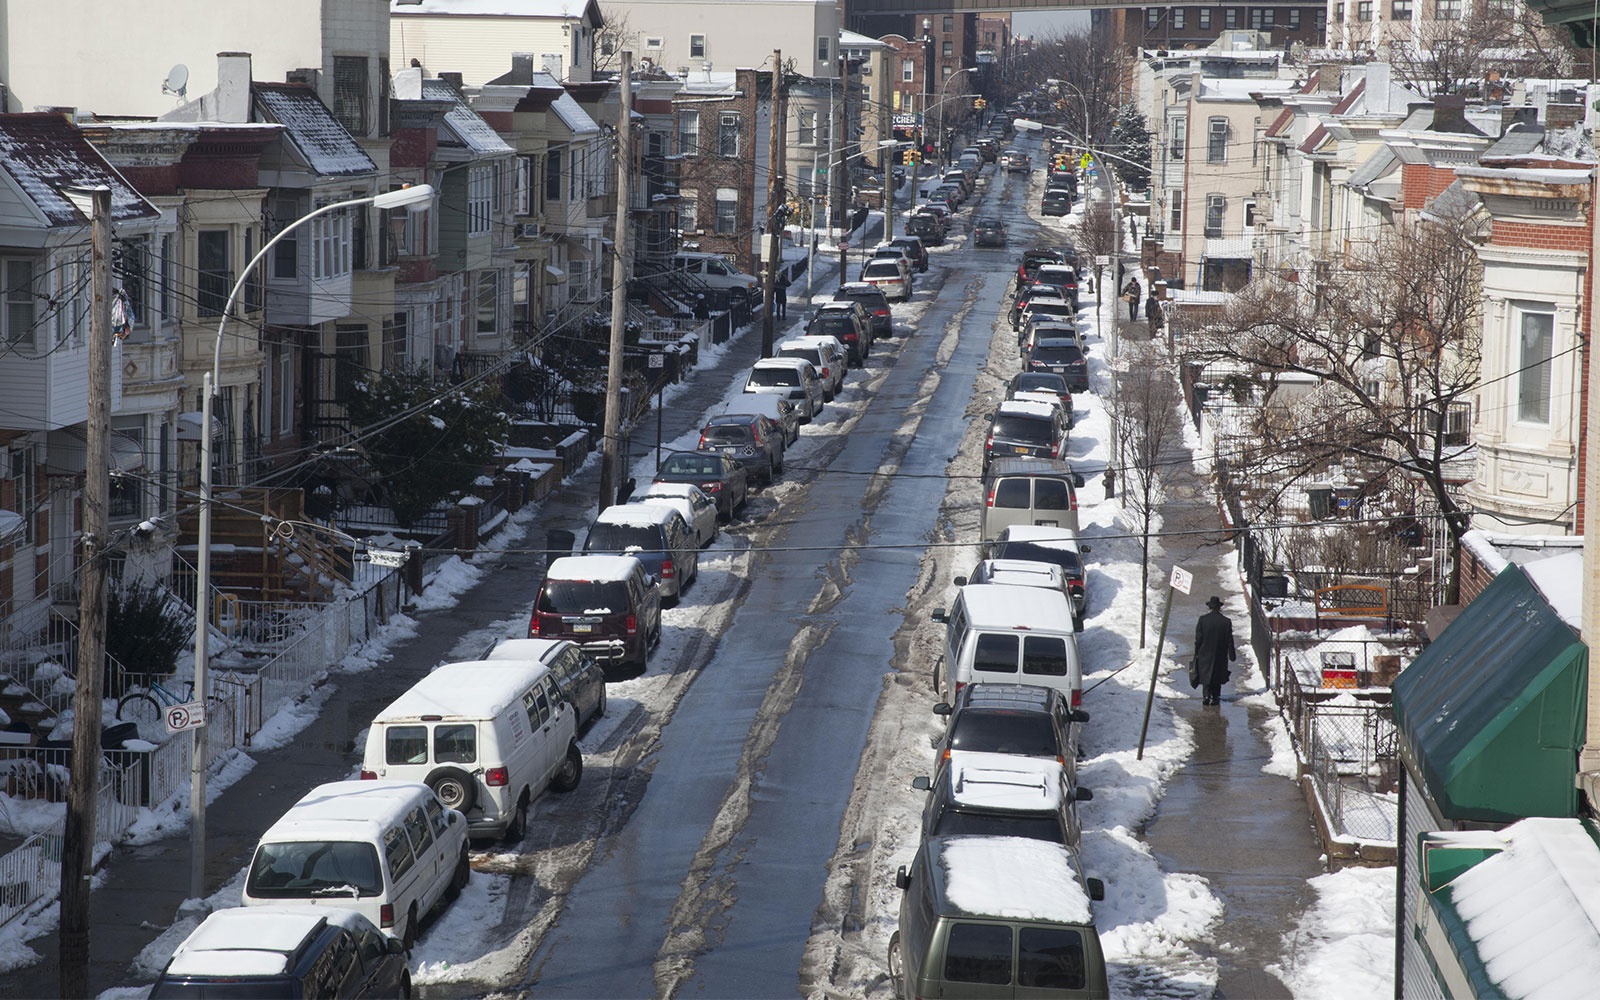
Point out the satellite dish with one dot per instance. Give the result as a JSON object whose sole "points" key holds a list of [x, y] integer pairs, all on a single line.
{"points": [[177, 81]]}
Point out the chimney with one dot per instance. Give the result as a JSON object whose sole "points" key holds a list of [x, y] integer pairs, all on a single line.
{"points": [[1450, 114], [233, 87], [1328, 75], [1378, 86], [453, 79], [522, 65], [1513, 116]]}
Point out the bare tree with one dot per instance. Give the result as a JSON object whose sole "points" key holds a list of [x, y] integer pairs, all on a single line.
{"points": [[618, 34], [1391, 343], [1454, 55], [1146, 412], [1095, 237], [1090, 79]]}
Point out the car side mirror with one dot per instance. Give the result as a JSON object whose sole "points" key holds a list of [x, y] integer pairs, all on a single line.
{"points": [[961, 581], [1097, 888], [650, 580], [939, 615], [942, 708], [1085, 549], [922, 782], [395, 946], [1077, 481], [1082, 794], [902, 879], [1078, 715]]}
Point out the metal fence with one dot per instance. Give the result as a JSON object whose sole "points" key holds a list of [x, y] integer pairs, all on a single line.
{"points": [[1351, 755], [243, 697]]}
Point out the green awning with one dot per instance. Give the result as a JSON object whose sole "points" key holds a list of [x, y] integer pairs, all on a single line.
{"points": [[1492, 714]]}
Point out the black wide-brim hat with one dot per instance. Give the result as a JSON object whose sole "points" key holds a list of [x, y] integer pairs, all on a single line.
{"points": [[1215, 603]]}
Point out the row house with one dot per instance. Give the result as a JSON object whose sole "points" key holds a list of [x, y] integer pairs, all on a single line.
{"points": [[44, 368], [867, 60], [1203, 216], [822, 142], [1184, 26], [473, 38], [683, 37], [722, 130]]}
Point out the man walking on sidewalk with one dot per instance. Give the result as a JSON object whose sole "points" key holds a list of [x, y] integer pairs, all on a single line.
{"points": [[1213, 649], [1130, 295]]}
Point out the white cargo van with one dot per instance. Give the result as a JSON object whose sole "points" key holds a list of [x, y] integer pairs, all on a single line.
{"points": [[998, 633], [390, 851], [487, 735]]}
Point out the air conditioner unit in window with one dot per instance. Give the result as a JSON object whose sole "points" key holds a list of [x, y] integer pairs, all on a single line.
{"points": [[529, 230]]}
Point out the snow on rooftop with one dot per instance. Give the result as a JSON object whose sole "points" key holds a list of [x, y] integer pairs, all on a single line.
{"points": [[1560, 580], [1536, 899], [467, 125], [567, 10], [1013, 876], [329, 149], [45, 154]]}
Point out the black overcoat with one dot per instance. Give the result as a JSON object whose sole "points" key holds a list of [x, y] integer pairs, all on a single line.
{"points": [[1213, 648]]}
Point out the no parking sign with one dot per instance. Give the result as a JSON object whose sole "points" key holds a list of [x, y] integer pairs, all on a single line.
{"points": [[182, 717]]}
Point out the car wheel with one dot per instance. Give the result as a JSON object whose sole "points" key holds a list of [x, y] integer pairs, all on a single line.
{"points": [[463, 873], [519, 820], [571, 770], [405, 986], [600, 706], [408, 940], [896, 974], [456, 788]]}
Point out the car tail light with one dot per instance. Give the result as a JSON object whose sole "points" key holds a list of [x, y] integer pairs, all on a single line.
{"points": [[990, 501], [386, 915], [711, 487], [824, 373], [702, 443], [959, 686], [630, 624], [368, 775], [669, 571], [497, 777], [1077, 698], [534, 626], [881, 311]]}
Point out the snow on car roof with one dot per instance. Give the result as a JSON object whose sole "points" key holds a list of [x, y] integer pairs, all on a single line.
{"points": [[1004, 606], [597, 568], [524, 649], [1005, 781], [1012, 876], [1042, 534], [672, 491], [1042, 398], [632, 516], [352, 810], [1020, 407], [470, 689], [1023, 572]]}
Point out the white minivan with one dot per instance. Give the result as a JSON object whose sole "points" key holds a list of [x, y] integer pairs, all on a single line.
{"points": [[488, 736], [1006, 634], [391, 851]]}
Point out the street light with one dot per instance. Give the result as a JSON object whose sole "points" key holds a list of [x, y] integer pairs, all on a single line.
{"points": [[940, 147], [411, 197]]}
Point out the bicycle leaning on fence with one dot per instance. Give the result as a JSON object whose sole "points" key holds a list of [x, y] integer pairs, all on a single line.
{"points": [[149, 702]]}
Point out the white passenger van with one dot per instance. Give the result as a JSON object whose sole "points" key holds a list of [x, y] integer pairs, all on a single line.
{"points": [[997, 633], [488, 736], [390, 851]]}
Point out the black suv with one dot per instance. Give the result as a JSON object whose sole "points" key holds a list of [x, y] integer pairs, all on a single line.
{"points": [[1010, 718], [1023, 427], [873, 301], [1062, 356]]}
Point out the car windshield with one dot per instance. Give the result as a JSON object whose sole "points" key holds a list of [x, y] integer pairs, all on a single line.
{"points": [[1065, 558], [769, 377], [1034, 826], [1041, 382], [622, 538], [1050, 307], [836, 325], [726, 434], [881, 268], [583, 597], [1033, 430], [302, 869], [1000, 731], [706, 466], [1054, 353]]}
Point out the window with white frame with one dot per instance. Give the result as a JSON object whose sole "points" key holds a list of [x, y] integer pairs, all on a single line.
{"points": [[480, 199], [1537, 340], [127, 492], [948, 48], [1205, 17], [727, 210], [689, 132], [1175, 220], [824, 48], [1364, 10], [908, 70], [21, 306], [1447, 10], [522, 200], [1179, 138], [488, 303], [285, 388], [1294, 19], [728, 134], [1230, 17], [807, 127], [1178, 17], [1400, 10], [948, 24], [1217, 140], [1216, 209], [686, 213], [697, 46], [1152, 18], [945, 71], [803, 182], [286, 252], [1249, 214], [132, 263], [213, 275], [330, 245]]}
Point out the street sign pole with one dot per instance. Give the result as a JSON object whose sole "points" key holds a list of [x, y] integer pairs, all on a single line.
{"points": [[1181, 580], [659, 361]]}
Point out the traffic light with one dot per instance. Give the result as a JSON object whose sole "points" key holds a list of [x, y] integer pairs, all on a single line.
{"points": [[980, 103]]}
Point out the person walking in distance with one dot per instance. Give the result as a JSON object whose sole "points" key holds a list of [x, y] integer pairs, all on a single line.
{"points": [[1130, 295], [780, 294], [1213, 649]]}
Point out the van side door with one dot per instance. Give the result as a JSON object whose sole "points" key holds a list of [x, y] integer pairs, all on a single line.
{"points": [[432, 874]]}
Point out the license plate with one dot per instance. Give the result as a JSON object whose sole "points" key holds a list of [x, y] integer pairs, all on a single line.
{"points": [[1019, 449], [1059, 369], [583, 629], [730, 451]]}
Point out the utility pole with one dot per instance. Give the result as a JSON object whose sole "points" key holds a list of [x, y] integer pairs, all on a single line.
{"points": [[611, 462], [771, 241], [840, 187], [77, 857]]}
